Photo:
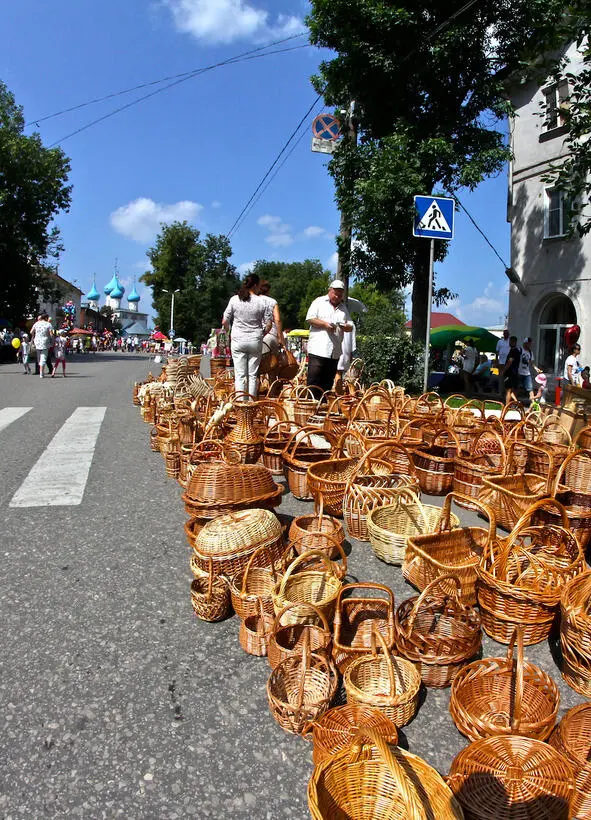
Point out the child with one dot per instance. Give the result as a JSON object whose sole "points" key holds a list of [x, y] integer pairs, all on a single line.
{"points": [[59, 352], [25, 350], [585, 378]]}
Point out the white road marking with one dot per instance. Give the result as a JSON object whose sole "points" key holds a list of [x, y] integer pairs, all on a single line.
{"points": [[59, 477], [10, 414]]}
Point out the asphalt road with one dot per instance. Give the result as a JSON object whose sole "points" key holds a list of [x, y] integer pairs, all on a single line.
{"points": [[115, 700]]}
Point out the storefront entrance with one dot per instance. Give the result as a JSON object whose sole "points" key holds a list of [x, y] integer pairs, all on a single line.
{"points": [[556, 316]]}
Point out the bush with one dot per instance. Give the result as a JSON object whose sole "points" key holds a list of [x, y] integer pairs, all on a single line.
{"points": [[390, 353]]}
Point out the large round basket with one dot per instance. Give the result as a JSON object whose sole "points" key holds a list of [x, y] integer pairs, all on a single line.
{"points": [[512, 778], [572, 738], [438, 632], [575, 633], [310, 586], [300, 689], [390, 526], [369, 780], [287, 640], [339, 726], [504, 696], [390, 684]]}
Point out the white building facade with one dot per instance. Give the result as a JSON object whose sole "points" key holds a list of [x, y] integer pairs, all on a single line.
{"points": [[551, 271]]}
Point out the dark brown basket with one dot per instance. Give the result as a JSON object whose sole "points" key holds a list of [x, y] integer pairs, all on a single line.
{"points": [[286, 641], [356, 616], [210, 597], [299, 454], [434, 463]]}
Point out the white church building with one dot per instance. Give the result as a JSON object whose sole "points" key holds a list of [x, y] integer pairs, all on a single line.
{"points": [[133, 323]]}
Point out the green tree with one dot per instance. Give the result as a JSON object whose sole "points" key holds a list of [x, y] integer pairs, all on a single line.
{"points": [[427, 81], [290, 283], [33, 190], [201, 271]]}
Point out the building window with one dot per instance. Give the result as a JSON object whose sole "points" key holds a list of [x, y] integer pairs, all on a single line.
{"points": [[556, 105], [555, 216]]}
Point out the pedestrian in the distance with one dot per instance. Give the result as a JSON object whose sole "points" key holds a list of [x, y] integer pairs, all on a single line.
{"points": [[329, 320], [526, 362], [25, 350], [274, 338], [572, 366], [248, 317], [42, 337], [510, 373], [501, 355], [470, 358], [59, 351]]}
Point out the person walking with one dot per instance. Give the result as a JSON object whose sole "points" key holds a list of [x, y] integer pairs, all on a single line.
{"points": [[510, 372], [25, 352], [470, 357], [42, 336], [274, 339], [248, 317], [572, 366], [526, 362], [59, 352], [329, 319], [501, 352]]}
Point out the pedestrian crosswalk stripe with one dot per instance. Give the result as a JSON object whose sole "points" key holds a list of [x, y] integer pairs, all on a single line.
{"points": [[10, 414], [59, 477]]}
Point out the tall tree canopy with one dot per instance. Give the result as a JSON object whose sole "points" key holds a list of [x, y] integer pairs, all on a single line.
{"points": [[200, 269], [427, 82], [33, 190], [290, 285]]}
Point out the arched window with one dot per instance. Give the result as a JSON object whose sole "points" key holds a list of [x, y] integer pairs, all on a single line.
{"points": [[556, 315], [559, 311]]}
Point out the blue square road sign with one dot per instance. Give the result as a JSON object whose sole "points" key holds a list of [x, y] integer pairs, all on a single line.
{"points": [[434, 217]]}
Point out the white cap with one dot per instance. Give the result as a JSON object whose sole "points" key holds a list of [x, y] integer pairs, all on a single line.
{"points": [[337, 284]]}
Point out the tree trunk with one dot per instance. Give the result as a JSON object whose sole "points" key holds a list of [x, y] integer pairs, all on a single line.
{"points": [[420, 287]]}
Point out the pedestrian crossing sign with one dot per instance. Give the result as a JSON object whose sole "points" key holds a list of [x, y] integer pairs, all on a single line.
{"points": [[434, 217]]}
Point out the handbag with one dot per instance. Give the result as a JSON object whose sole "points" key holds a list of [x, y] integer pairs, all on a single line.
{"points": [[287, 365]]}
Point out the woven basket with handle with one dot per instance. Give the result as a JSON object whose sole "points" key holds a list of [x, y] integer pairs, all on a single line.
{"points": [[309, 586], [287, 640], [338, 727], [361, 608], [572, 738], [575, 633]]}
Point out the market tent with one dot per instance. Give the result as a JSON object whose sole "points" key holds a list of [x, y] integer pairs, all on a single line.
{"points": [[159, 336], [301, 333], [80, 331], [484, 340]]}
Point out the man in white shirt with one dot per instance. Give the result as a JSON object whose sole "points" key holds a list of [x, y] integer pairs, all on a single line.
{"points": [[502, 350], [329, 320], [572, 366]]}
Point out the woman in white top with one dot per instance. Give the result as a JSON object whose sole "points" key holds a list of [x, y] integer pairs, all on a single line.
{"points": [[41, 336], [249, 316], [572, 367], [59, 352]]}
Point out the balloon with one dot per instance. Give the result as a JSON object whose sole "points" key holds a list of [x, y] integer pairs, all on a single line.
{"points": [[16, 343], [571, 335]]}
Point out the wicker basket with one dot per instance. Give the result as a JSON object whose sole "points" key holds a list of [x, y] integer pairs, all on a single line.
{"points": [[434, 463], [512, 778], [357, 616], [338, 728], [504, 696], [521, 578], [450, 550], [317, 531], [274, 442], [312, 586], [305, 403], [438, 632], [301, 688], [390, 684], [299, 454], [575, 633], [576, 503], [583, 438], [210, 597], [230, 540], [390, 526], [487, 456], [314, 559], [217, 482], [287, 640], [254, 586], [254, 632], [572, 738], [369, 780]]}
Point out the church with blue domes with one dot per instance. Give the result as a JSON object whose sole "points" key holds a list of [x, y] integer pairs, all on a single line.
{"points": [[133, 322]]}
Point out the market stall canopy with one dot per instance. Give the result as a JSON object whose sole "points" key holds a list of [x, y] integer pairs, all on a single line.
{"points": [[179, 339], [484, 340], [80, 331], [159, 336], [439, 319], [295, 333]]}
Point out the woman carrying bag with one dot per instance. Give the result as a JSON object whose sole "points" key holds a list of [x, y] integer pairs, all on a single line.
{"points": [[249, 316]]}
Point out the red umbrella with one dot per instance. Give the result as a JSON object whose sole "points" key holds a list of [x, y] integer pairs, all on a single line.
{"points": [[158, 336]]}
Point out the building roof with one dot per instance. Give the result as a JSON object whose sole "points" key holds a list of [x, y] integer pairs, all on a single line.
{"points": [[440, 319], [118, 291], [137, 329], [93, 295], [133, 296]]}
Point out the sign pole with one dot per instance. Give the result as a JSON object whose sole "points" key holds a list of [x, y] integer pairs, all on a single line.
{"points": [[429, 300]]}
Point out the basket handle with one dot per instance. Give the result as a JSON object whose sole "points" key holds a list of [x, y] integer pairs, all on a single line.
{"points": [[263, 549], [300, 560], [301, 605], [412, 803], [319, 508], [425, 593], [584, 430], [561, 470], [333, 542], [304, 392], [516, 662], [308, 430], [388, 595], [490, 432], [303, 669], [377, 635], [210, 579], [513, 405], [355, 434], [487, 511], [277, 424], [413, 498], [554, 421], [525, 519]]}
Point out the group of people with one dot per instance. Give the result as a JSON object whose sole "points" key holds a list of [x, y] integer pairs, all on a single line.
{"points": [[49, 347], [255, 322]]}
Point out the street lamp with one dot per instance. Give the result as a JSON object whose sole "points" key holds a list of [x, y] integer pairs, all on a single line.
{"points": [[171, 331]]}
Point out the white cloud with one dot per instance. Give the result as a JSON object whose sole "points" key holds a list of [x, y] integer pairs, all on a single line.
{"points": [[279, 232], [141, 219], [225, 21], [314, 231], [245, 267], [483, 311], [332, 262], [216, 204]]}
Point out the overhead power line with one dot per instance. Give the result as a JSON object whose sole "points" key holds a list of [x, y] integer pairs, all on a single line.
{"points": [[481, 232], [37, 120], [230, 61]]}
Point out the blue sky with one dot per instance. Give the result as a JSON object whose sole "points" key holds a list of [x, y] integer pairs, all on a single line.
{"points": [[198, 150]]}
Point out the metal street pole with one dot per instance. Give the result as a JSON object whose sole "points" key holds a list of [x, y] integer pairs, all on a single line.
{"points": [[429, 300], [172, 293], [345, 230]]}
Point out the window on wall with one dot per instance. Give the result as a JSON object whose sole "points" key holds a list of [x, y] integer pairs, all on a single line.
{"points": [[556, 105], [555, 213]]}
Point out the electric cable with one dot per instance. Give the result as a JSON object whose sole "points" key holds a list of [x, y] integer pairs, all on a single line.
{"points": [[480, 231], [229, 61], [37, 120]]}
